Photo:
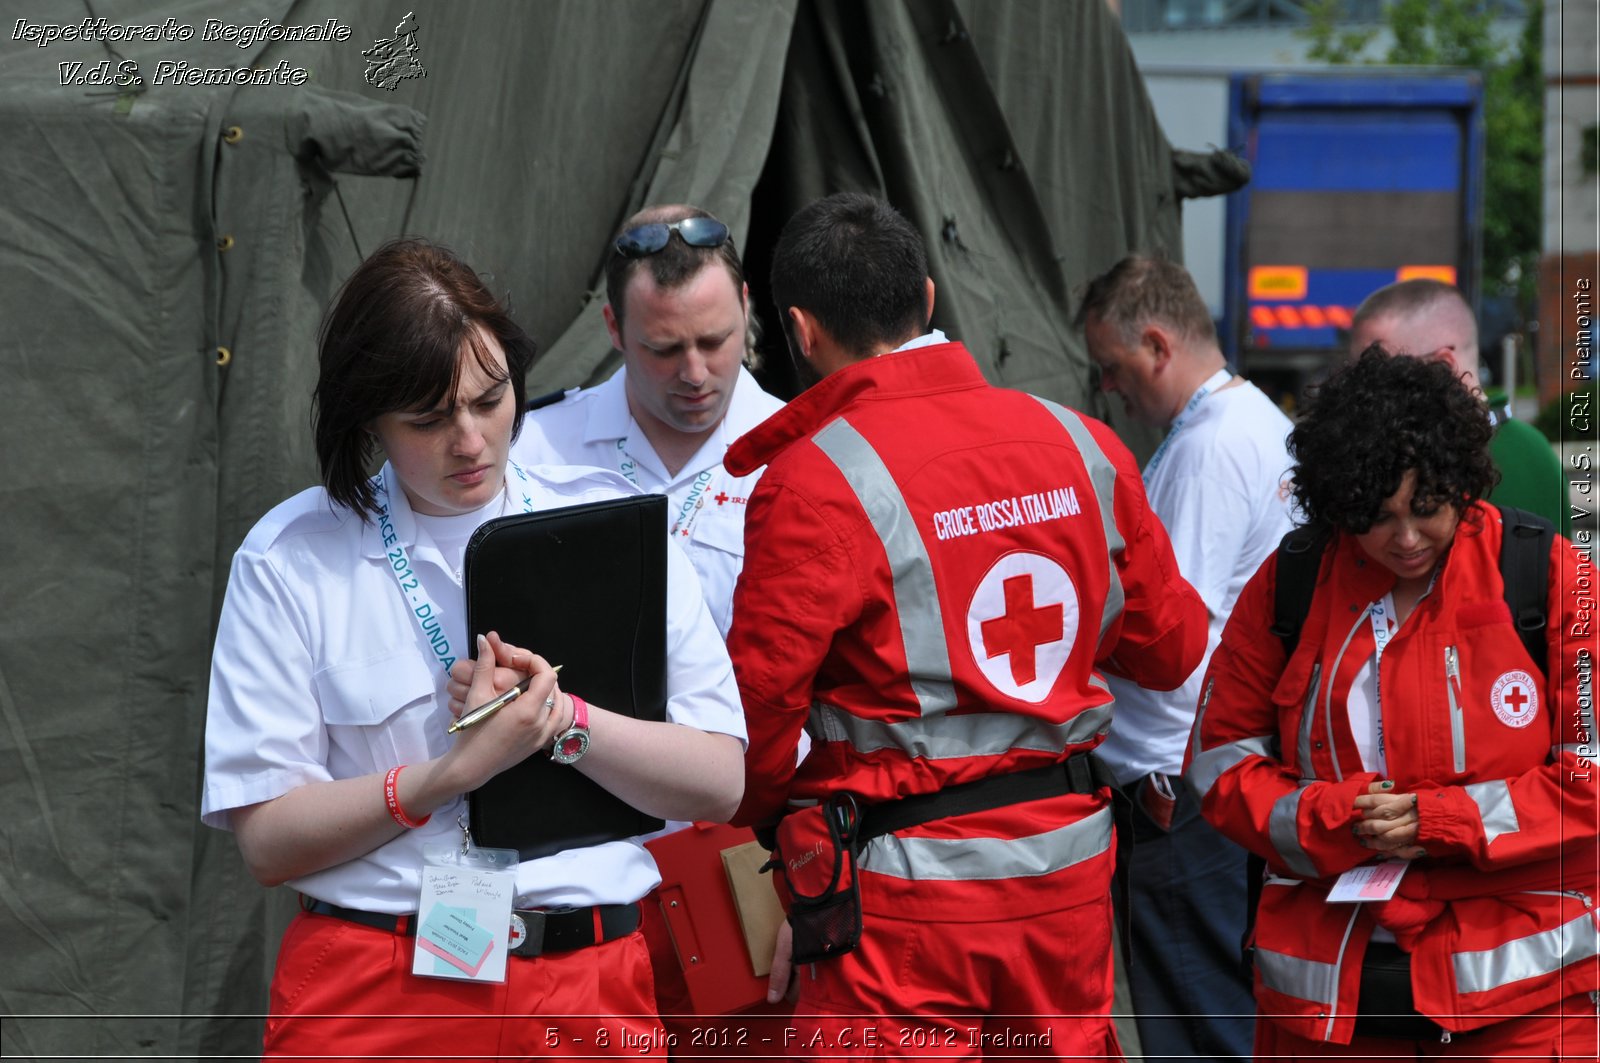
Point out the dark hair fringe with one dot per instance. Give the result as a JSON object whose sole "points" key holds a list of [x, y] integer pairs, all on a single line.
{"points": [[392, 340]]}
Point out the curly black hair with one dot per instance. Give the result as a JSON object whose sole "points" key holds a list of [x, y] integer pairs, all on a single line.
{"points": [[1374, 420]]}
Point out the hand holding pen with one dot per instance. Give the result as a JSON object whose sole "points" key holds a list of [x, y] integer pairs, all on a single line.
{"points": [[461, 678]]}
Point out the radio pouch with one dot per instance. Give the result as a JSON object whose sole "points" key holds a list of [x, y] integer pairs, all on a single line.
{"points": [[817, 857]]}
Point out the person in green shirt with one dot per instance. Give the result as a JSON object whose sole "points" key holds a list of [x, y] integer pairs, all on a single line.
{"points": [[1431, 319]]}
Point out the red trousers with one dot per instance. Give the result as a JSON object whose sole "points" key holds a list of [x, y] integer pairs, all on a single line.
{"points": [[342, 990], [1563, 1031], [1034, 987]]}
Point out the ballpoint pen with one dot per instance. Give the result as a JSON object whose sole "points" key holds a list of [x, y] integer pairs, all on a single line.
{"points": [[494, 705]]}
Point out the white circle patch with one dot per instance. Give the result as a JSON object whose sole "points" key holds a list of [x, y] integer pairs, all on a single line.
{"points": [[1515, 698], [1021, 624]]}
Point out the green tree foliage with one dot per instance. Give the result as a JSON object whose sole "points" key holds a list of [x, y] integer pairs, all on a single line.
{"points": [[1457, 33]]}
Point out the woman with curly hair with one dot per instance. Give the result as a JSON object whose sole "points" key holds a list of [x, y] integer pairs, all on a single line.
{"points": [[1409, 735]]}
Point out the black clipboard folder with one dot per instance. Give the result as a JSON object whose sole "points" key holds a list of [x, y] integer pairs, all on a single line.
{"points": [[584, 587]]}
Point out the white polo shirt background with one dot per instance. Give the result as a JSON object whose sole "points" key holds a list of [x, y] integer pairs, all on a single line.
{"points": [[705, 505]]}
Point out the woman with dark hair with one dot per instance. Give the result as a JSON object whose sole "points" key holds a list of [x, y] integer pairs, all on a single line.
{"points": [[338, 666], [1421, 787]]}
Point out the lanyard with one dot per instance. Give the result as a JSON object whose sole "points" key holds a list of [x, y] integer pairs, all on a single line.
{"points": [[693, 503], [1213, 383], [625, 464], [424, 613]]}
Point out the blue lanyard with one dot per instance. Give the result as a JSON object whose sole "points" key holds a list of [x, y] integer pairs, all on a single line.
{"points": [[424, 612], [1213, 383]]}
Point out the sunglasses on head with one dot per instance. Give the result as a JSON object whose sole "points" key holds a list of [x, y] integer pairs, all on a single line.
{"points": [[649, 239]]}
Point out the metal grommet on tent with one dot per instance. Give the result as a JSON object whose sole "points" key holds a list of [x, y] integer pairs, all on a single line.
{"points": [[224, 356], [232, 135], [225, 244]]}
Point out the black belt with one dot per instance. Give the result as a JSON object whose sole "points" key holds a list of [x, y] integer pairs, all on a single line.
{"points": [[1082, 773], [548, 929]]}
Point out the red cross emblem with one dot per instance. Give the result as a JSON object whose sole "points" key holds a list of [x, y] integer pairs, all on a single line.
{"points": [[1021, 624], [721, 497], [1514, 698], [1021, 628]]}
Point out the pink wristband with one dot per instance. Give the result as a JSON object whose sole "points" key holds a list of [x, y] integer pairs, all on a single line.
{"points": [[391, 797]]}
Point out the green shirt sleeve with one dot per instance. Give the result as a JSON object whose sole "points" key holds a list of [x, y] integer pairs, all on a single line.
{"points": [[1530, 474]]}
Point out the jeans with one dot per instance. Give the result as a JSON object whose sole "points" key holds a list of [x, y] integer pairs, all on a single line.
{"points": [[1180, 901]]}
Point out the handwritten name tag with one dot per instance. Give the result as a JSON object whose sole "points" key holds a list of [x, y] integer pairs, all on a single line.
{"points": [[1369, 882], [464, 915]]}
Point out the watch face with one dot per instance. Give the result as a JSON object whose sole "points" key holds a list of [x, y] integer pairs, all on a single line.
{"points": [[570, 746]]}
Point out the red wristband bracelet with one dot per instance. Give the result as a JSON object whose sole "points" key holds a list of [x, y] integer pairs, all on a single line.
{"points": [[391, 797]]}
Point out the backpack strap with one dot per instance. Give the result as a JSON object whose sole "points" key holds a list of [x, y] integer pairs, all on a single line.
{"points": [[1299, 557], [1525, 571]]}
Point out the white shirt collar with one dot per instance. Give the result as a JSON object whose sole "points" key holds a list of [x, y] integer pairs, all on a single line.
{"points": [[927, 339], [609, 420]]}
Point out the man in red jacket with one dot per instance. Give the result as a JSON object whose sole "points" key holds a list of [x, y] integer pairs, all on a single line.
{"points": [[936, 574]]}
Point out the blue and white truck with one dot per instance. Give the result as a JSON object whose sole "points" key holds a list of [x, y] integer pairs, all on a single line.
{"points": [[1360, 176]]}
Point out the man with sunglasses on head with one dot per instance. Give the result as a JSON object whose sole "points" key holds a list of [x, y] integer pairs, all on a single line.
{"points": [[678, 312]]}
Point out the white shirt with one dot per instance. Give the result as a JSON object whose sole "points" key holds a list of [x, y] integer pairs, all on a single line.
{"points": [[705, 505], [321, 671], [1221, 491]]}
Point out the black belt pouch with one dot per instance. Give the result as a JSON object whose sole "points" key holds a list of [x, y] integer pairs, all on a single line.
{"points": [[817, 855]]}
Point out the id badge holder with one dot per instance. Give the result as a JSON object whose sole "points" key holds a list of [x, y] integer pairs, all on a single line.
{"points": [[464, 916], [1369, 882]]}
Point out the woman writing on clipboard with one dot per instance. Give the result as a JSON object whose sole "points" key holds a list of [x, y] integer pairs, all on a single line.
{"points": [[328, 751]]}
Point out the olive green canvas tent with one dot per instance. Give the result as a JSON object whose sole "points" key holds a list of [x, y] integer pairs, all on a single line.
{"points": [[167, 248]]}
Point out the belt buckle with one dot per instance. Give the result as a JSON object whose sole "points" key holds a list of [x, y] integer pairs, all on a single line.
{"points": [[527, 933]]}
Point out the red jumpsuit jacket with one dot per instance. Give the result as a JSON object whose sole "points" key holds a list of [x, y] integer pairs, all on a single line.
{"points": [[1499, 916], [935, 571]]}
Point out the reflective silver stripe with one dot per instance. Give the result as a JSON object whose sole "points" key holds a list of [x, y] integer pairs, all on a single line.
{"points": [[1327, 701], [1206, 768], [1493, 799], [1302, 979], [916, 598], [1585, 752], [983, 859], [1308, 714], [948, 737], [1103, 475], [1344, 945], [1537, 954], [1283, 829]]}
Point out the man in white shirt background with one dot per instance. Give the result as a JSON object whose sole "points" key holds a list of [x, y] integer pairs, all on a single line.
{"points": [[1216, 482], [678, 311]]}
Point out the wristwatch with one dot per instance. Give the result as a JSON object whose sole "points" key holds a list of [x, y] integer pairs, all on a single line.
{"points": [[571, 744]]}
